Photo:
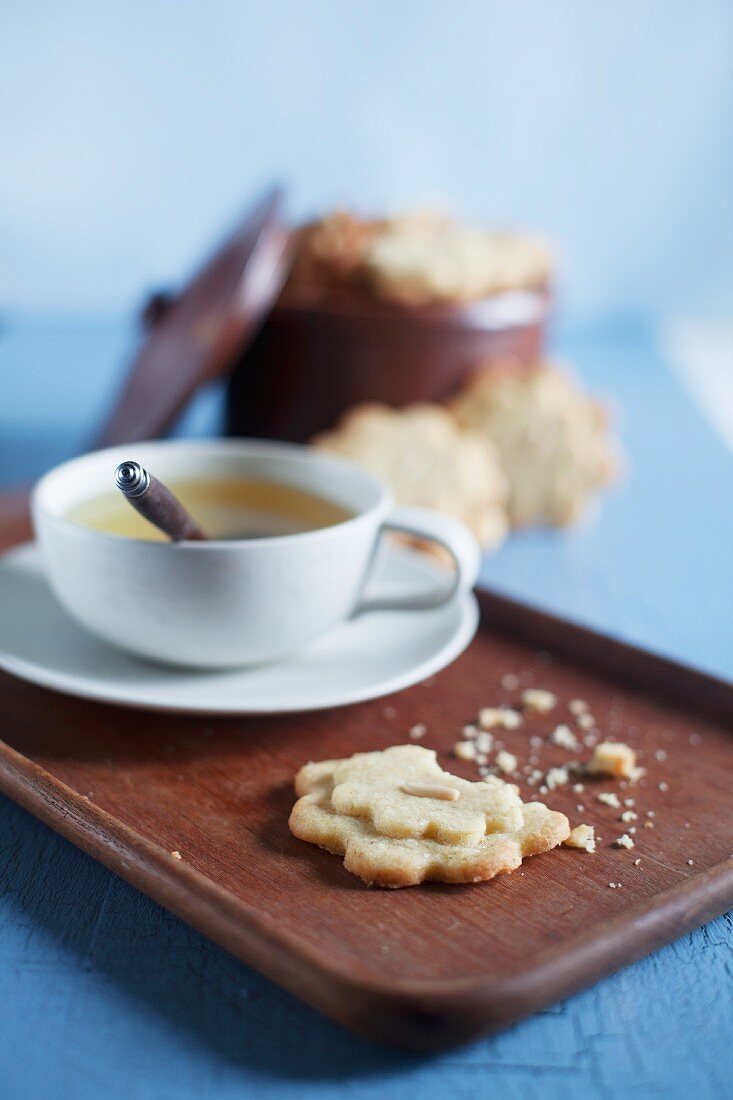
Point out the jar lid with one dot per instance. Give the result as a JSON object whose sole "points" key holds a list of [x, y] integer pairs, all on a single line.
{"points": [[199, 335]]}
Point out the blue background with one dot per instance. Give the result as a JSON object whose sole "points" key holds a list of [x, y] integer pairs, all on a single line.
{"points": [[131, 134]]}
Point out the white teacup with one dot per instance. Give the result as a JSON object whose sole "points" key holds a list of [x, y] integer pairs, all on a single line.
{"points": [[235, 602]]}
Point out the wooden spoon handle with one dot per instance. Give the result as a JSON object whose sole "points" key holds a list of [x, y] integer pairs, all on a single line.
{"points": [[156, 503]]}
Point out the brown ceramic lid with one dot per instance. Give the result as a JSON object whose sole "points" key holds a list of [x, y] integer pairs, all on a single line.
{"points": [[201, 333]]}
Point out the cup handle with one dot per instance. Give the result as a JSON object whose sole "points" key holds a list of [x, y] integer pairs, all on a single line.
{"points": [[446, 532]]}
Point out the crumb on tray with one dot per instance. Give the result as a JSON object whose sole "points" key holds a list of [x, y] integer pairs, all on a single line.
{"points": [[613, 758], [583, 837]]}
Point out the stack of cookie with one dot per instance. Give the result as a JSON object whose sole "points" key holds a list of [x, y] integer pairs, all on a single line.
{"points": [[420, 258], [392, 310], [520, 443], [414, 344]]}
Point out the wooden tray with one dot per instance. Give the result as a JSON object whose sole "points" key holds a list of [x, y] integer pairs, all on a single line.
{"points": [[428, 966]]}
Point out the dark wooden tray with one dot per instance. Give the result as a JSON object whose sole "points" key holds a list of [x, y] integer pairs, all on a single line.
{"points": [[423, 967]]}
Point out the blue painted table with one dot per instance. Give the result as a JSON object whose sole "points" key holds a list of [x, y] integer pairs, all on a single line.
{"points": [[106, 995]]}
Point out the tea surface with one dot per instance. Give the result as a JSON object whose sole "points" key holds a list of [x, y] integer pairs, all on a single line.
{"points": [[226, 508]]}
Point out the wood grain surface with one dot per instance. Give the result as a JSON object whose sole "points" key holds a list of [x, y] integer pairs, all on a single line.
{"points": [[429, 966]]}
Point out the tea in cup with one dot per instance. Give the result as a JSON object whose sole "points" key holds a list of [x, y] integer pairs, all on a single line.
{"points": [[293, 537]]}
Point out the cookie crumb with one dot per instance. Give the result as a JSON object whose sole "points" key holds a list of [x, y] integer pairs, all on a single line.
{"points": [[578, 788], [583, 837], [629, 815], [637, 863], [418, 730], [613, 758], [586, 721], [484, 741], [538, 700], [690, 862], [623, 841], [506, 762], [464, 750], [389, 712], [510, 681], [660, 755], [563, 736], [556, 777], [578, 707], [663, 787], [609, 798], [176, 854], [501, 717]]}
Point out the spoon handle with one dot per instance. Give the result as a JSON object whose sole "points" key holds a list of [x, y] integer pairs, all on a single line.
{"points": [[156, 503]]}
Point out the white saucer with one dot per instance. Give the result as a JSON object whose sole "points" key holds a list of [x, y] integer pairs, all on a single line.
{"points": [[372, 655]]}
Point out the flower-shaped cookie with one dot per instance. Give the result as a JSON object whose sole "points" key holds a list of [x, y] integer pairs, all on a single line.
{"points": [[429, 259], [551, 438], [399, 819], [427, 459]]}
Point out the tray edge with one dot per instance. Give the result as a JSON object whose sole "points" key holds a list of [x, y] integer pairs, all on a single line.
{"points": [[415, 1015]]}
